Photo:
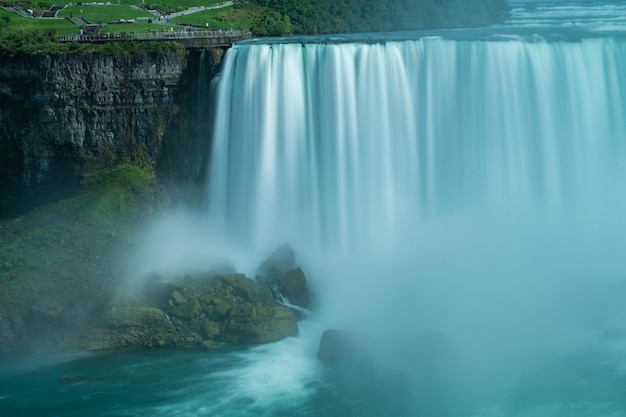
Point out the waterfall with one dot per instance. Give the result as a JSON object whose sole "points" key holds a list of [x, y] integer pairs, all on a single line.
{"points": [[353, 144]]}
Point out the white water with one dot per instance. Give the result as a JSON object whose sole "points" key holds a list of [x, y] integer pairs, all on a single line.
{"points": [[594, 16], [472, 189], [346, 145]]}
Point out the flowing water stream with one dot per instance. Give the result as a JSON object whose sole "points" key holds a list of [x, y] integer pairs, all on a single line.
{"points": [[456, 199]]}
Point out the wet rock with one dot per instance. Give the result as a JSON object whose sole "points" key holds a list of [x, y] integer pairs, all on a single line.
{"points": [[211, 328], [337, 347], [179, 298], [200, 310], [283, 259], [294, 284], [254, 324], [188, 311], [209, 344], [135, 316], [242, 287], [285, 280], [229, 308]]}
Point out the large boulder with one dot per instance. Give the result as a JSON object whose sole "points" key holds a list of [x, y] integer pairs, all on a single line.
{"points": [[230, 308], [135, 316], [337, 347], [253, 324], [202, 310], [283, 259], [285, 280], [294, 285]]}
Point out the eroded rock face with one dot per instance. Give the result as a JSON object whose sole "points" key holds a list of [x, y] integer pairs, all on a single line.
{"points": [[58, 110], [67, 106]]}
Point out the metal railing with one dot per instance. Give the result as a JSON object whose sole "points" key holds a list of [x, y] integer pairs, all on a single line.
{"points": [[167, 35]]}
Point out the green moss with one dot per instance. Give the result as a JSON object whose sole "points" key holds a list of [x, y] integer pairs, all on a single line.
{"points": [[125, 190], [70, 247]]}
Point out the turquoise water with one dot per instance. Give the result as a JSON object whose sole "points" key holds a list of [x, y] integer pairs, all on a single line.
{"points": [[284, 379], [456, 203]]}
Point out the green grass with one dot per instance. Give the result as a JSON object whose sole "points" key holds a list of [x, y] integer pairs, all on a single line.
{"points": [[11, 21], [164, 5], [40, 36], [223, 18], [182, 3], [21, 34], [105, 13], [131, 27], [37, 35]]}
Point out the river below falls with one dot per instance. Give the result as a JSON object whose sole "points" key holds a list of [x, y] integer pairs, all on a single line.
{"points": [[588, 378]]}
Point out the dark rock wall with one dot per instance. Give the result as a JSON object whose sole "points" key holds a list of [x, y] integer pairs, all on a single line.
{"points": [[58, 112], [183, 158]]}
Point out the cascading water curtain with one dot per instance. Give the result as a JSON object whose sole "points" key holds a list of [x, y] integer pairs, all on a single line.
{"points": [[337, 145]]}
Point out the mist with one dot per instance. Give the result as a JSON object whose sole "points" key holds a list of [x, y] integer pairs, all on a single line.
{"points": [[463, 235], [472, 299]]}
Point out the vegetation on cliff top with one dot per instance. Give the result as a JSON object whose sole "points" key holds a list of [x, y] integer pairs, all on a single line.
{"points": [[341, 16], [41, 36], [263, 17]]}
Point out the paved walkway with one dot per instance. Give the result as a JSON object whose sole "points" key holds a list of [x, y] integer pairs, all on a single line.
{"points": [[188, 11]]}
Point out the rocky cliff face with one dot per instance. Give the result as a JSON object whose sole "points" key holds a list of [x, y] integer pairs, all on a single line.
{"points": [[56, 111]]}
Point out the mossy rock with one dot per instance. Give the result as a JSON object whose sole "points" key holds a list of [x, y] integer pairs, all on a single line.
{"points": [[242, 287], [295, 286], [188, 311], [201, 310], [211, 329], [209, 344], [217, 308], [253, 324], [178, 298], [135, 316]]}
